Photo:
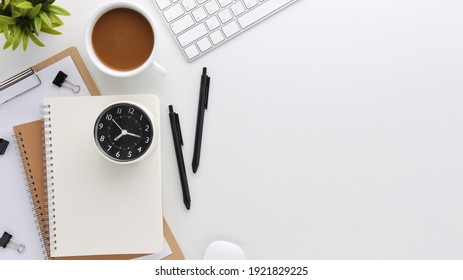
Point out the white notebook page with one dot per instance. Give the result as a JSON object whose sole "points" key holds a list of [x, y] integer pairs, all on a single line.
{"points": [[101, 207]]}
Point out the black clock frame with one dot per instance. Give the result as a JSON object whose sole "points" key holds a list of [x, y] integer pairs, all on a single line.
{"points": [[124, 132]]}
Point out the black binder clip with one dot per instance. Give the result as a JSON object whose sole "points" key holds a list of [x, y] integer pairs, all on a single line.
{"points": [[3, 146], [6, 240], [60, 80]]}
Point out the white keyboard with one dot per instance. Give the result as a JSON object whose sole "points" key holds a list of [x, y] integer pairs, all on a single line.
{"points": [[200, 26]]}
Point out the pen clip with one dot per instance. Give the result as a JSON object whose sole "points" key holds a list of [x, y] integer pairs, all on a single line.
{"points": [[206, 92], [177, 123]]}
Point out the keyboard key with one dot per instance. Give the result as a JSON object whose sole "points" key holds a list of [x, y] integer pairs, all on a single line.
{"points": [[225, 16], [192, 35], [237, 8], [182, 24], [189, 4], [199, 14], [224, 3], [191, 51], [230, 29], [200, 26], [162, 4], [173, 12], [212, 23], [250, 3], [212, 7], [216, 37], [204, 44], [261, 11]]}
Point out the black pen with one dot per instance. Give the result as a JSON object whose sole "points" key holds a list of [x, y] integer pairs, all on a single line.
{"points": [[178, 142], [202, 106]]}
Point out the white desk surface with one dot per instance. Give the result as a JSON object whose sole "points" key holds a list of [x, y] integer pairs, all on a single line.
{"points": [[334, 130]]}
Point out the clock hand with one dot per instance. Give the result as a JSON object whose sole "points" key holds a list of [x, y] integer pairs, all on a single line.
{"points": [[118, 125], [135, 135], [124, 132], [120, 135]]}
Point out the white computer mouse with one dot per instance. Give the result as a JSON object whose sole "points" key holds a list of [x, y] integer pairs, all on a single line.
{"points": [[223, 250]]}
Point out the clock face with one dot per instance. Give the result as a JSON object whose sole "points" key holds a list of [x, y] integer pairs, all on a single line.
{"points": [[124, 132]]}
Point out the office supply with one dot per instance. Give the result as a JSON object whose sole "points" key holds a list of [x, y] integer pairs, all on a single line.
{"points": [[6, 240], [223, 250], [3, 146], [29, 141], [201, 26], [178, 142], [18, 78], [70, 62], [202, 106], [125, 132], [60, 80], [115, 202]]}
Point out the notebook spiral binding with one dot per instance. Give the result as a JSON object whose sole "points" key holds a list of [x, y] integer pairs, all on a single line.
{"points": [[48, 177], [39, 214]]}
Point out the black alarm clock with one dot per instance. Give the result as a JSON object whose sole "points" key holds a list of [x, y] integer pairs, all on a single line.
{"points": [[125, 132]]}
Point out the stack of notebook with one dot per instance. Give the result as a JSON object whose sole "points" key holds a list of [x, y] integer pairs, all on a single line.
{"points": [[85, 206]]}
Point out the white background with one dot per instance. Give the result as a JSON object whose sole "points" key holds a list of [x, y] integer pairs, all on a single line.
{"points": [[334, 129]]}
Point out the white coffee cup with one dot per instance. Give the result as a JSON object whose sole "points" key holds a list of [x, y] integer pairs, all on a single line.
{"points": [[150, 62]]}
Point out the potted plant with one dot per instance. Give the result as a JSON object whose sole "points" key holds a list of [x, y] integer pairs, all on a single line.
{"points": [[21, 20]]}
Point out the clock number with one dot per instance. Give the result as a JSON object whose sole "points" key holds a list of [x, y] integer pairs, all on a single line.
{"points": [[109, 117], [118, 154], [102, 138], [100, 126], [147, 128], [129, 154], [141, 117], [131, 110], [147, 140], [119, 110], [109, 148], [139, 149]]}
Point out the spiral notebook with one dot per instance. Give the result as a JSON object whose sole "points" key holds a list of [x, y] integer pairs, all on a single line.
{"points": [[96, 206], [30, 145]]}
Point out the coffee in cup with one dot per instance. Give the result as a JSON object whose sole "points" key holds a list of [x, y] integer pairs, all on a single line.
{"points": [[121, 40]]}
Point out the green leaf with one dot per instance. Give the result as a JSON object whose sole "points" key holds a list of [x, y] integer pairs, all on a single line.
{"points": [[6, 31], [34, 11], [5, 5], [8, 43], [51, 31], [35, 39], [7, 20], [16, 14], [58, 10], [25, 41], [18, 38], [55, 19], [26, 5], [37, 24], [46, 20]]}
